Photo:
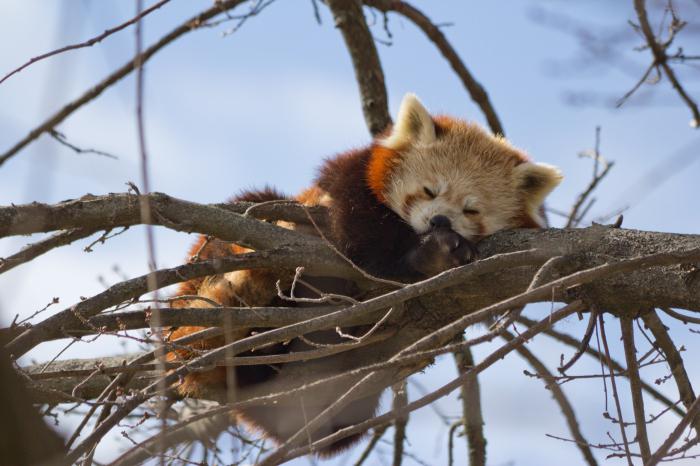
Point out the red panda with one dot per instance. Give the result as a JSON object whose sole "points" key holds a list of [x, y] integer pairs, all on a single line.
{"points": [[412, 204]]}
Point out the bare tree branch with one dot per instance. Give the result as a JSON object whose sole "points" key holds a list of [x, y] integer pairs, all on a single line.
{"points": [[658, 50], [635, 386], [674, 360], [472, 418], [349, 18], [32, 251], [689, 418], [399, 402]]}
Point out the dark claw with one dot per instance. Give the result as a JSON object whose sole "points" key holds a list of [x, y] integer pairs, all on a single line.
{"points": [[441, 249]]}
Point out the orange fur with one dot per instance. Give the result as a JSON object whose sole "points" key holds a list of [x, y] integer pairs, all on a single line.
{"points": [[379, 168]]}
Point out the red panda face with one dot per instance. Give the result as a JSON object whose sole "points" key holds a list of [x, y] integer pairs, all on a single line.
{"points": [[452, 173]]}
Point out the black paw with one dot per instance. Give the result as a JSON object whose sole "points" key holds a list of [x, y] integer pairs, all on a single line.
{"points": [[441, 249]]}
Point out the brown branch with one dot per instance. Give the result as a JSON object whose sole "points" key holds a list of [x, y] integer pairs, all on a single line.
{"points": [[682, 317], [559, 396], [61, 138], [32, 251], [106, 210], [674, 360], [365, 308], [350, 19], [399, 402], [658, 50], [117, 210], [235, 317], [189, 25], [35, 372], [87, 43], [690, 417], [635, 386], [474, 88], [472, 418], [592, 319], [669, 288]]}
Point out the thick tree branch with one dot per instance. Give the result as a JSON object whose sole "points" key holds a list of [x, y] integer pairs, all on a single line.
{"points": [[350, 19], [472, 418], [225, 221], [627, 331]]}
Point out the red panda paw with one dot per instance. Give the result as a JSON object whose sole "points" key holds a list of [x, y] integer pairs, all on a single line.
{"points": [[441, 249]]}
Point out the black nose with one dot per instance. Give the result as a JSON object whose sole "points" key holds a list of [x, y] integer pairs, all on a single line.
{"points": [[440, 221]]}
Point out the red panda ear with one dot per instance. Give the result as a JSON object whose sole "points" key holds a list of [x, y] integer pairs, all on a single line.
{"points": [[536, 181], [413, 126]]}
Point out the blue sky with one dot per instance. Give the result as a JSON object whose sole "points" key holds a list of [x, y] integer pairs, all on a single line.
{"points": [[266, 104]]}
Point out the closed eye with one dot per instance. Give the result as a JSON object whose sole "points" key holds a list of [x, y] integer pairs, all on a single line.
{"points": [[429, 193], [467, 211]]}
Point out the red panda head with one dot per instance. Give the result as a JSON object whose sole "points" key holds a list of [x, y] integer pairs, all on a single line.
{"points": [[427, 167]]}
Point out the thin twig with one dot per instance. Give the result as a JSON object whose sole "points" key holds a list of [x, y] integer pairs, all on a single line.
{"points": [[32, 251], [188, 26], [61, 138], [574, 216], [376, 436], [575, 343], [658, 50], [592, 319], [87, 43]]}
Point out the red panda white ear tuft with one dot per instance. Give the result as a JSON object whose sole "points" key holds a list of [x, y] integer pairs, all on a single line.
{"points": [[536, 181], [413, 126]]}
